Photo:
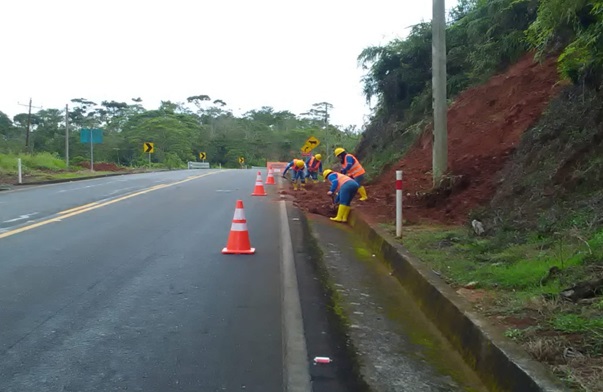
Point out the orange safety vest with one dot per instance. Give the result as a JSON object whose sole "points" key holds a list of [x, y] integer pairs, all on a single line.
{"points": [[356, 170], [294, 167], [341, 179], [313, 164]]}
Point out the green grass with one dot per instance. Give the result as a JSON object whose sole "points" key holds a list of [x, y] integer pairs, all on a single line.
{"points": [[496, 264], [42, 161], [41, 167], [574, 323]]}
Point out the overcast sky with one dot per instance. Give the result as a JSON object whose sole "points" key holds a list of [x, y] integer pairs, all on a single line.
{"points": [[250, 53]]}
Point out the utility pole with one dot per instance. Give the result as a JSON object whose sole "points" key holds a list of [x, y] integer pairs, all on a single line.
{"points": [[328, 154], [28, 123], [67, 135], [438, 80]]}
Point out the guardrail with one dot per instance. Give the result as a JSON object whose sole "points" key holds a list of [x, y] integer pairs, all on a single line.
{"points": [[198, 165]]}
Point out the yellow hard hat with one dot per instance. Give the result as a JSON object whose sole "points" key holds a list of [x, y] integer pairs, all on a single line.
{"points": [[318, 157], [338, 151], [326, 173], [299, 163]]}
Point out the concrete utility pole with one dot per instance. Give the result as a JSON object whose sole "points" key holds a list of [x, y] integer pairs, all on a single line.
{"points": [[28, 123], [328, 154], [438, 80], [67, 135]]}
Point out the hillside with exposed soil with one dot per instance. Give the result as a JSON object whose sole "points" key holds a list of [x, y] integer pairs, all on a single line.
{"points": [[485, 125]]}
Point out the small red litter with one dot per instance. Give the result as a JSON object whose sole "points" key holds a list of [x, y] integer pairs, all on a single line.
{"points": [[322, 360]]}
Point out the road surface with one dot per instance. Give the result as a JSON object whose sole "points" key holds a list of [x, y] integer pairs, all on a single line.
{"points": [[119, 284], [132, 293]]}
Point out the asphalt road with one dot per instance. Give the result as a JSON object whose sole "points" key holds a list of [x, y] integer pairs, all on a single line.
{"points": [[132, 292], [29, 203]]}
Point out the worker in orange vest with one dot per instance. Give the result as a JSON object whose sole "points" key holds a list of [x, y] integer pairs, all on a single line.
{"points": [[352, 168], [299, 167], [345, 188], [314, 165]]}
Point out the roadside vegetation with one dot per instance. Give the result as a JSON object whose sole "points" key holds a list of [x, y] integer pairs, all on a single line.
{"points": [[46, 166], [528, 285], [179, 131]]}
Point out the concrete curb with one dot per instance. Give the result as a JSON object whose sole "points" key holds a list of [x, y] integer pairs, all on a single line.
{"points": [[501, 364], [71, 179]]}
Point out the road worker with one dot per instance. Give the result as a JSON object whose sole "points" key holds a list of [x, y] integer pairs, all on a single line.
{"points": [[314, 165], [352, 168], [299, 167], [345, 188]]}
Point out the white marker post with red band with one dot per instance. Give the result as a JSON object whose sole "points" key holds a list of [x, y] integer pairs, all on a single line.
{"points": [[398, 203]]}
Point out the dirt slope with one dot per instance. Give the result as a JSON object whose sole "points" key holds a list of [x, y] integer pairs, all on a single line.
{"points": [[485, 125]]}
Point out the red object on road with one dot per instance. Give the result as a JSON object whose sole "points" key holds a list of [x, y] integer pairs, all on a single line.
{"points": [[259, 186], [270, 178], [238, 240], [322, 360]]}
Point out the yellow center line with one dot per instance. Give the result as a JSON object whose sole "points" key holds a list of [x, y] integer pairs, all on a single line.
{"points": [[78, 208], [93, 206]]}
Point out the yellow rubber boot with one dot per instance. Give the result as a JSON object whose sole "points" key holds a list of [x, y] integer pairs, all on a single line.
{"points": [[362, 191], [340, 212], [295, 186], [346, 213]]}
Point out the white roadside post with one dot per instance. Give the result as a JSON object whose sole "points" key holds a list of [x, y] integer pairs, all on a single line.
{"points": [[398, 203], [19, 169]]}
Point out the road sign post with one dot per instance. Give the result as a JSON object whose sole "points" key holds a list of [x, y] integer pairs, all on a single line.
{"points": [[92, 136], [149, 148], [91, 152], [241, 161], [202, 156]]}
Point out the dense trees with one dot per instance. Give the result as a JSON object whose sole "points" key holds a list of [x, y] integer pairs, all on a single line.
{"points": [[179, 130], [483, 37]]}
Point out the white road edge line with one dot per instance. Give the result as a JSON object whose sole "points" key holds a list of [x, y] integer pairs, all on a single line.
{"points": [[295, 354]]}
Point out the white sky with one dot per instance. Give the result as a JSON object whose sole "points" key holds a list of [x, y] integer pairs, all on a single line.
{"points": [[282, 53]]}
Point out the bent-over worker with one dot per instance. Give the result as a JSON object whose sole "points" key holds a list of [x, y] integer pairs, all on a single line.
{"points": [[345, 188], [298, 166]]}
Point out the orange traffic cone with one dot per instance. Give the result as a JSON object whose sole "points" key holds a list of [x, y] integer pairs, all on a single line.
{"points": [[238, 240], [259, 187], [270, 178]]}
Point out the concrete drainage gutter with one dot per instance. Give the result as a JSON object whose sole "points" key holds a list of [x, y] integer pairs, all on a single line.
{"points": [[501, 364]]}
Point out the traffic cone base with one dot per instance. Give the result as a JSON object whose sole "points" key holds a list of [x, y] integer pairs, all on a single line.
{"points": [[226, 251], [259, 187], [238, 239]]}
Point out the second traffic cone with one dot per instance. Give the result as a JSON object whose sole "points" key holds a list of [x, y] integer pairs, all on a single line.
{"points": [[238, 240], [270, 178], [259, 187]]}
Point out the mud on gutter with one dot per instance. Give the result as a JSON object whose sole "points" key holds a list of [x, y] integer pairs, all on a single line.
{"points": [[326, 326]]}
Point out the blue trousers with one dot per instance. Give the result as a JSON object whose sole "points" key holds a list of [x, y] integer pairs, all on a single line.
{"points": [[298, 175], [359, 179], [313, 175], [347, 193]]}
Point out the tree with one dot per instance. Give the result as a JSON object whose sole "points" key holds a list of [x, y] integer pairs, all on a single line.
{"points": [[576, 26], [6, 125], [198, 101]]}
